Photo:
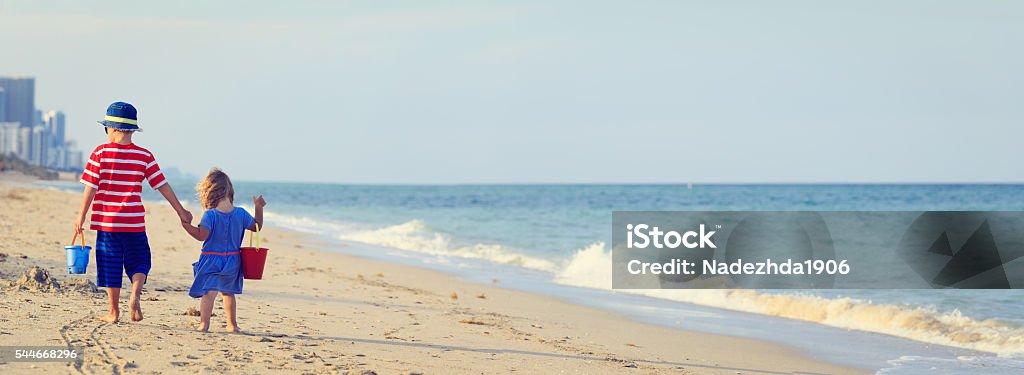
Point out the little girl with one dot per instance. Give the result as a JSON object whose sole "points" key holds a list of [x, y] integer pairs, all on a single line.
{"points": [[219, 268]]}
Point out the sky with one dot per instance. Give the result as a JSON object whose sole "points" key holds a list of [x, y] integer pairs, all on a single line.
{"points": [[417, 92]]}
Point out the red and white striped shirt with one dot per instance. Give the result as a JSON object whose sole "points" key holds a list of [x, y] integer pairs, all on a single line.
{"points": [[116, 172]]}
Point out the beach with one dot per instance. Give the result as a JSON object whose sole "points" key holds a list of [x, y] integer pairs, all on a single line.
{"points": [[321, 311]]}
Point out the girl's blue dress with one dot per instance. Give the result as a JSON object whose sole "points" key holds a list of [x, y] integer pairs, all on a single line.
{"points": [[220, 266]]}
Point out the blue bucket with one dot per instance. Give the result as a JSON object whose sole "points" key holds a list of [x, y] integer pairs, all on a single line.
{"points": [[78, 256]]}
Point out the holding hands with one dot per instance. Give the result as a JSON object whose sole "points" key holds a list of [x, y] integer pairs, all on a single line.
{"points": [[185, 215]]}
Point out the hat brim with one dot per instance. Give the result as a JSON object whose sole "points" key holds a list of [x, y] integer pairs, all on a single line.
{"points": [[119, 125]]}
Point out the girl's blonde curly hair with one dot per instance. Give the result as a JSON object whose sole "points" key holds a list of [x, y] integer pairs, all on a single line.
{"points": [[214, 187]]}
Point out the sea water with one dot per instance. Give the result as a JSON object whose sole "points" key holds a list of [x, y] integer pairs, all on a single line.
{"points": [[553, 239]]}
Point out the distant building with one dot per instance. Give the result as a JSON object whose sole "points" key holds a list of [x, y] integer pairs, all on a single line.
{"points": [[9, 138], [38, 150], [57, 147], [54, 121], [3, 105], [24, 141], [19, 100], [55, 157], [73, 158]]}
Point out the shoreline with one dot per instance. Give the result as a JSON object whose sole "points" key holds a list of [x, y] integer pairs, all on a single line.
{"points": [[323, 311], [862, 349]]}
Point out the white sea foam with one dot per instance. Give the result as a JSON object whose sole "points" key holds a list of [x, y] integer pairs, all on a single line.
{"points": [[589, 267], [416, 236], [302, 223]]}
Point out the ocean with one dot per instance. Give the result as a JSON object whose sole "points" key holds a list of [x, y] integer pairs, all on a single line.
{"points": [[554, 239]]}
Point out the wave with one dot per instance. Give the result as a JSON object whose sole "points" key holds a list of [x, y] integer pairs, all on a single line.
{"points": [[417, 236], [303, 224], [590, 267]]}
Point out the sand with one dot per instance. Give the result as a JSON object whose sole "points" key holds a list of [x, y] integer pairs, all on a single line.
{"points": [[320, 311]]}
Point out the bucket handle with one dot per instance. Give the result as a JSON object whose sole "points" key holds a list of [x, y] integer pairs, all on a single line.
{"points": [[255, 233], [76, 237]]}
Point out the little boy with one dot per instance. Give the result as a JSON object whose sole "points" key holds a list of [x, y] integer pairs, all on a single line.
{"points": [[113, 188]]}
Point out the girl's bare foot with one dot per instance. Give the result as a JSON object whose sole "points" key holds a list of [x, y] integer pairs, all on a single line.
{"points": [[232, 328], [203, 327], [136, 311], [111, 317]]}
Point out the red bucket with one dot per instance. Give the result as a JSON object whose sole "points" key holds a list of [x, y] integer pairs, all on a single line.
{"points": [[254, 258]]}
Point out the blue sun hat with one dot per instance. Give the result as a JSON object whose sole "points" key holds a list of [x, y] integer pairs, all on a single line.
{"points": [[121, 115]]}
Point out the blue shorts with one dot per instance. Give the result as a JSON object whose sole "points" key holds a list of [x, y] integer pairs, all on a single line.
{"points": [[121, 251]]}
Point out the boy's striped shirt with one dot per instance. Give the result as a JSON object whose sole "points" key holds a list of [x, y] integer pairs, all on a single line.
{"points": [[116, 171]]}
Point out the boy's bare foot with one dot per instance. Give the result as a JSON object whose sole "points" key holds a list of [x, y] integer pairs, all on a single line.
{"points": [[232, 328], [111, 317], [203, 328], [136, 311]]}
